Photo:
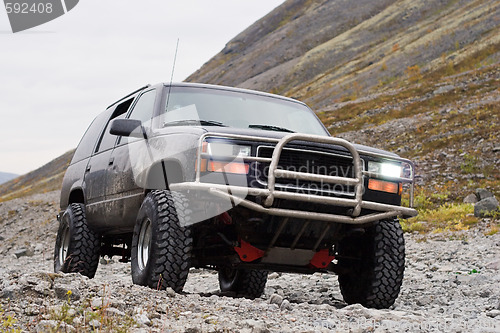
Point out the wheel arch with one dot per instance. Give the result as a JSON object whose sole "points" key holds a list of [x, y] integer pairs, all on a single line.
{"points": [[170, 169], [76, 196]]}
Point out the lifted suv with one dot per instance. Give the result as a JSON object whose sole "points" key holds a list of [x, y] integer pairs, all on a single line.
{"points": [[175, 176]]}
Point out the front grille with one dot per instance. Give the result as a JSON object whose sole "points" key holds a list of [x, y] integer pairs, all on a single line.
{"points": [[306, 161]]}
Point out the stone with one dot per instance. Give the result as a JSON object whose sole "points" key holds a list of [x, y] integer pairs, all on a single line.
{"points": [[424, 300], [65, 292], [286, 305], [141, 317], [493, 313], [482, 193], [256, 325], [471, 198], [95, 324], [276, 299], [443, 89], [170, 292], [493, 265], [53, 326], [24, 252], [113, 312], [486, 207]]}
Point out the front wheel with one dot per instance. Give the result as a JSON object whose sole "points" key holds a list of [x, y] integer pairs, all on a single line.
{"points": [[243, 282], [161, 248], [77, 246], [374, 265]]}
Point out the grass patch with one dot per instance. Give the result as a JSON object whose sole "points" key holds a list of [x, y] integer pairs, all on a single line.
{"points": [[493, 230], [85, 318], [7, 323], [447, 217]]}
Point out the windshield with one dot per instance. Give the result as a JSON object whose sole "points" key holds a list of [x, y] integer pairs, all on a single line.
{"points": [[188, 106]]}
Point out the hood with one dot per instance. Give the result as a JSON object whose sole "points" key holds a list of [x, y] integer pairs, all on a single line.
{"points": [[279, 135]]}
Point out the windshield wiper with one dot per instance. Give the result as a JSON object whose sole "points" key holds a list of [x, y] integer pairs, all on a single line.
{"points": [[194, 122], [271, 128]]}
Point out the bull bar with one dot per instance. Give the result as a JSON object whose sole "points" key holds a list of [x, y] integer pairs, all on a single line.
{"points": [[270, 193]]}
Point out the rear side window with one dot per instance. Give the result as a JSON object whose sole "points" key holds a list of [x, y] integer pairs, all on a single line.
{"points": [[107, 140], [87, 143]]}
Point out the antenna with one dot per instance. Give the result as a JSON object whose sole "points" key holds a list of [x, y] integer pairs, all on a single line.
{"points": [[172, 75]]}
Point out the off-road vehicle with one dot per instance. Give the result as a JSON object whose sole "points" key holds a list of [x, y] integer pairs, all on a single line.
{"points": [[175, 176]]}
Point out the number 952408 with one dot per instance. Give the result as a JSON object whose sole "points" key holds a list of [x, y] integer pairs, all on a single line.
{"points": [[28, 8]]}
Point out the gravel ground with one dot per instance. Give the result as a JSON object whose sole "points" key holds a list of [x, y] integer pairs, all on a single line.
{"points": [[452, 284]]}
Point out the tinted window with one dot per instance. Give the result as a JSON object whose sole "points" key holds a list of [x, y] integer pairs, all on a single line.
{"points": [[108, 140], [143, 109], [87, 144]]}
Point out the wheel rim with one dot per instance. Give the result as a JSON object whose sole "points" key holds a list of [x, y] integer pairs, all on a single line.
{"points": [[63, 250], [144, 244]]}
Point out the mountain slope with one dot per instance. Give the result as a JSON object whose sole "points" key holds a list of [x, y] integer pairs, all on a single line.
{"points": [[44, 179], [323, 51], [418, 77]]}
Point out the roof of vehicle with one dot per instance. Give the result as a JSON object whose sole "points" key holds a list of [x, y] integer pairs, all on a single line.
{"points": [[207, 86], [241, 90]]}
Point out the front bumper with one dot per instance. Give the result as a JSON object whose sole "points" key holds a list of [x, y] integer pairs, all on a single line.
{"points": [[270, 192]]}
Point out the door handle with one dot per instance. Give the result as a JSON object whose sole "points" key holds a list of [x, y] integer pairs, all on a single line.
{"points": [[111, 161], [88, 168]]}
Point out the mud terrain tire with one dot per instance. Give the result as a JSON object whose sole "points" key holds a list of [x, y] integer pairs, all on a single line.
{"points": [[243, 282], [77, 246], [375, 263], [161, 248]]}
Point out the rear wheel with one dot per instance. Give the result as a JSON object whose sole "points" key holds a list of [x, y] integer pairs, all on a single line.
{"points": [[161, 248], [374, 265], [77, 246], [243, 282]]}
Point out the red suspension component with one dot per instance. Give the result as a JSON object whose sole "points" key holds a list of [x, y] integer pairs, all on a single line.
{"points": [[247, 252], [321, 259]]}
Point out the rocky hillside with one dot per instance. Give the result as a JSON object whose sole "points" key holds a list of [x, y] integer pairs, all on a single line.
{"points": [[44, 179], [323, 51]]}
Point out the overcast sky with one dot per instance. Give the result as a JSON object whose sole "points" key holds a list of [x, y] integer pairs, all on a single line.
{"points": [[55, 78]]}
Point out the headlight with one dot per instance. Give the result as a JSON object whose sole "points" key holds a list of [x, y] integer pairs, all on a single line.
{"points": [[220, 155], [222, 149], [386, 169]]}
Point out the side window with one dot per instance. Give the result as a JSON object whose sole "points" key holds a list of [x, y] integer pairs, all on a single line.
{"points": [[88, 141], [143, 109], [107, 140]]}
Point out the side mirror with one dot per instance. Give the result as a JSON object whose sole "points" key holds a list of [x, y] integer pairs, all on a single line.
{"points": [[127, 127]]}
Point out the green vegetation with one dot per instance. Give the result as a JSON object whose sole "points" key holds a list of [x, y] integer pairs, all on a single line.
{"points": [[88, 318], [7, 323], [437, 213]]}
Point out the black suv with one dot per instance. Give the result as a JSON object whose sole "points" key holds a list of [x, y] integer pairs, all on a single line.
{"points": [[175, 176]]}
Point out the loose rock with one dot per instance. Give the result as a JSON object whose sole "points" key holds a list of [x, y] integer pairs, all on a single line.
{"points": [[486, 207]]}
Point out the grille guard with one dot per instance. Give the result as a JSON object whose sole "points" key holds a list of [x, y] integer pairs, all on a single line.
{"points": [[270, 193]]}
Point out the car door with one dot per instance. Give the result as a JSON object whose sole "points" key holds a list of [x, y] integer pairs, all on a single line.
{"points": [[125, 196], [95, 176]]}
